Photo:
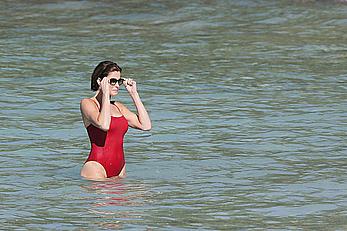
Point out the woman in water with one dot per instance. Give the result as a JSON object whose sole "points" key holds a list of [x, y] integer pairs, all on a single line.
{"points": [[107, 121]]}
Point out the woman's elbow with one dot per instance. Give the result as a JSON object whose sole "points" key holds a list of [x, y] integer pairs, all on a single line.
{"points": [[104, 128], [146, 128]]}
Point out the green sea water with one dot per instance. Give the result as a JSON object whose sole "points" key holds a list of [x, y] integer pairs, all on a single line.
{"points": [[248, 103]]}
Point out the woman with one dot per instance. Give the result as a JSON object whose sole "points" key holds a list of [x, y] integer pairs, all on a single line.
{"points": [[107, 122]]}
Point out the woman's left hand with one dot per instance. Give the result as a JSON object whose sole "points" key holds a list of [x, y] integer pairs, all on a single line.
{"points": [[130, 85]]}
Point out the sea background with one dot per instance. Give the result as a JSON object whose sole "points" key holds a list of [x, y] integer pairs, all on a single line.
{"points": [[248, 102]]}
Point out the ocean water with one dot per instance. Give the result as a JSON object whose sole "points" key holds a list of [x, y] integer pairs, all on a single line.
{"points": [[248, 103]]}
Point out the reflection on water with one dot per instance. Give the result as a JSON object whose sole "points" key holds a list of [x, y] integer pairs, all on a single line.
{"points": [[247, 98], [115, 193], [112, 199]]}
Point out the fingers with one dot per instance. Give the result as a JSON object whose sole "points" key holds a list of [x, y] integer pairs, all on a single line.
{"points": [[104, 81], [129, 82], [104, 85], [130, 85]]}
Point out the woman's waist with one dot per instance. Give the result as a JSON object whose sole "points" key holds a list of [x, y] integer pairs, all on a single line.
{"points": [[102, 153], [112, 147]]}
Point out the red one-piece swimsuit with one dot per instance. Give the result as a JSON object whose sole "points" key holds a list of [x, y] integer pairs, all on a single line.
{"points": [[107, 147]]}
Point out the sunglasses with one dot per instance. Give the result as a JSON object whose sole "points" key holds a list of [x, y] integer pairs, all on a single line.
{"points": [[114, 81]]}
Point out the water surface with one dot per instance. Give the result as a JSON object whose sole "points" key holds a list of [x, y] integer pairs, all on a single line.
{"points": [[247, 99]]}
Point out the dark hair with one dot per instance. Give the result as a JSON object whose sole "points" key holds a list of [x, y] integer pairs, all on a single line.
{"points": [[102, 70]]}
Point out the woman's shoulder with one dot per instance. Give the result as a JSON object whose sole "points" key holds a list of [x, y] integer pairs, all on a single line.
{"points": [[119, 105], [87, 102], [84, 100]]}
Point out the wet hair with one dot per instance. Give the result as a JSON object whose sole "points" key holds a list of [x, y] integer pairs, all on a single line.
{"points": [[102, 70]]}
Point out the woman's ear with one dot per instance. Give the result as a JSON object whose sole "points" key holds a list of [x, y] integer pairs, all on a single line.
{"points": [[98, 81]]}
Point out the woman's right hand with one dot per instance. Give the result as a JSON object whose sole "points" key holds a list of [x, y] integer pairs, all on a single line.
{"points": [[105, 86]]}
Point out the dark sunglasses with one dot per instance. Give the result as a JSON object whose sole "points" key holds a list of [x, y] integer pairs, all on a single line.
{"points": [[113, 81]]}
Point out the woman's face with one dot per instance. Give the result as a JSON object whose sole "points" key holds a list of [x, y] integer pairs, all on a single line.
{"points": [[114, 85]]}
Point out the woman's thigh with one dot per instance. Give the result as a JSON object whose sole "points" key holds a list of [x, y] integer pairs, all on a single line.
{"points": [[93, 170]]}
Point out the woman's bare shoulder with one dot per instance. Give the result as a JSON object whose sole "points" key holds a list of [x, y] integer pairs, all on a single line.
{"points": [[86, 100], [120, 105], [88, 103]]}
